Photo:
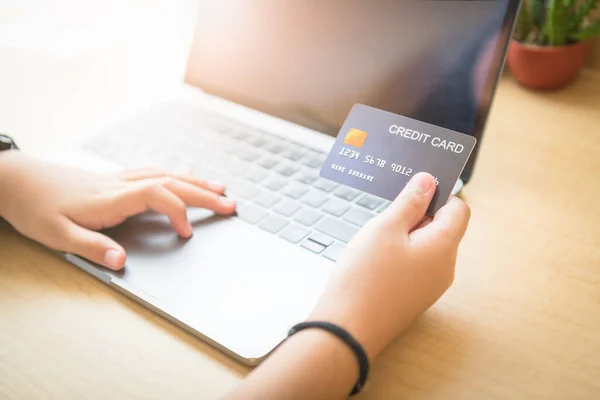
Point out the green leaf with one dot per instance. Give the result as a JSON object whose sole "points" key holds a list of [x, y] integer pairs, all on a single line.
{"points": [[589, 31], [584, 10], [555, 29], [537, 12], [524, 24], [569, 3]]}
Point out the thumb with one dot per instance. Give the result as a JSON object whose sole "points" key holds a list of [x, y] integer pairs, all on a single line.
{"points": [[93, 246], [411, 204], [450, 222]]}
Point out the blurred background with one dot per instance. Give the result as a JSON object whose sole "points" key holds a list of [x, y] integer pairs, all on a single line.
{"points": [[79, 53]]}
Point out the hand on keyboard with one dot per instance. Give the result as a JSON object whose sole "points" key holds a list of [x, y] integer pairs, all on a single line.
{"points": [[275, 180], [61, 207]]}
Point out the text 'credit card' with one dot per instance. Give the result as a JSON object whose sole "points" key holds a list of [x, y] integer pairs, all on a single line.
{"points": [[379, 152]]}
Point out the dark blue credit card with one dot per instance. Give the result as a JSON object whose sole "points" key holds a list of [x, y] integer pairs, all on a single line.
{"points": [[378, 152]]}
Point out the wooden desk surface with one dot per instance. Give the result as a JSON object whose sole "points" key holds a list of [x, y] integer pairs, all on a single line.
{"points": [[522, 320]]}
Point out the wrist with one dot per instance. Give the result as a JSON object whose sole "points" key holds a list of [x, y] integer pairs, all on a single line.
{"points": [[340, 333], [336, 357], [317, 339], [352, 319]]}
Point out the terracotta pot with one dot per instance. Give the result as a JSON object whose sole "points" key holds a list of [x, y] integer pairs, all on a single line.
{"points": [[546, 68]]}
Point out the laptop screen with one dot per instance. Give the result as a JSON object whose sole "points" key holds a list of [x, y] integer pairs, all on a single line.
{"points": [[309, 61]]}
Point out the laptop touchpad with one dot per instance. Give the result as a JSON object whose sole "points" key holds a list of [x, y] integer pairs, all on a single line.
{"points": [[157, 260]]}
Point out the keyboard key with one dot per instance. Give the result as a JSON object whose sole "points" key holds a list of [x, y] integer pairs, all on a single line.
{"points": [[286, 168], [200, 172], [256, 174], [177, 163], [335, 251], [243, 190], [336, 207], [216, 176], [275, 146], [320, 238], [346, 193], [314, 159], [235, 167], [209, 158], [358, 216], [248, 154], [294, 233], [161, 160], [250, 213], [294, 153], [256, 140], [222, 129], [287, 207], [336, 228], [295, 190], [314, 198], [230, 147], [273, 224], [275, 182], [268, 161], [313, 246], [369, 201], [239, 134], [325, 185], [239, 203], [308, 216], [306, 176], [385, 205], [266, 199]]}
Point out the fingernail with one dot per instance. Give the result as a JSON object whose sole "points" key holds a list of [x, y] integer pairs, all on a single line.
{"points": [[111, 258], [422, 183], [216, 186], [227, 201], [189, 230]]}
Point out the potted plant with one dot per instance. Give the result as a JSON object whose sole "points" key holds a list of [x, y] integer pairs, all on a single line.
{"points": [[550, 44]]}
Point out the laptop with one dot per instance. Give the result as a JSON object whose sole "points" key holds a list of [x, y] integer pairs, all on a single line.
{"points": [[268, 84]]}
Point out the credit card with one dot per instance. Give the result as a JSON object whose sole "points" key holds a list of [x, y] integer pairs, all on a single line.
{"points": [[378, 152]]}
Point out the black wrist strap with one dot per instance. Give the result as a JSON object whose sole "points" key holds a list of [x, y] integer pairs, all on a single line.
{"points": [[359, 352], [7, 143]]}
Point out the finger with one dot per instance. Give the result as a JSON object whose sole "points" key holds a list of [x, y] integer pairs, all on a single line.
{"points": [[93, 246], [198, 197], [424, 222], [411, 204], [449, 223], [152, 194], [152, 173]]}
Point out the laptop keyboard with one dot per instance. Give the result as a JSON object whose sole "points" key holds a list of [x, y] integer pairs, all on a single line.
{"points": [[275, 181]]}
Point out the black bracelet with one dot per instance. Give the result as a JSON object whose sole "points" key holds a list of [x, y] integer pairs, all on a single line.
{"points": [[359, 352], [7, 143]]}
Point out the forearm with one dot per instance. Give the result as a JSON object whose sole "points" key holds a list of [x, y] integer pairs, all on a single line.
{"points": [[312, 364]]}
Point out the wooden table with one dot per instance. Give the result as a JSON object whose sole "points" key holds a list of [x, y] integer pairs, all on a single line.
{"points": [[522, 320]]}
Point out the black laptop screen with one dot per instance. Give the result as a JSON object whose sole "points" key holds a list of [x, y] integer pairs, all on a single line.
{"points": [[309, 61]]}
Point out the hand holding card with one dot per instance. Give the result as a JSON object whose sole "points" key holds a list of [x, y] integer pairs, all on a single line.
{"points": [[379, 152]]}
